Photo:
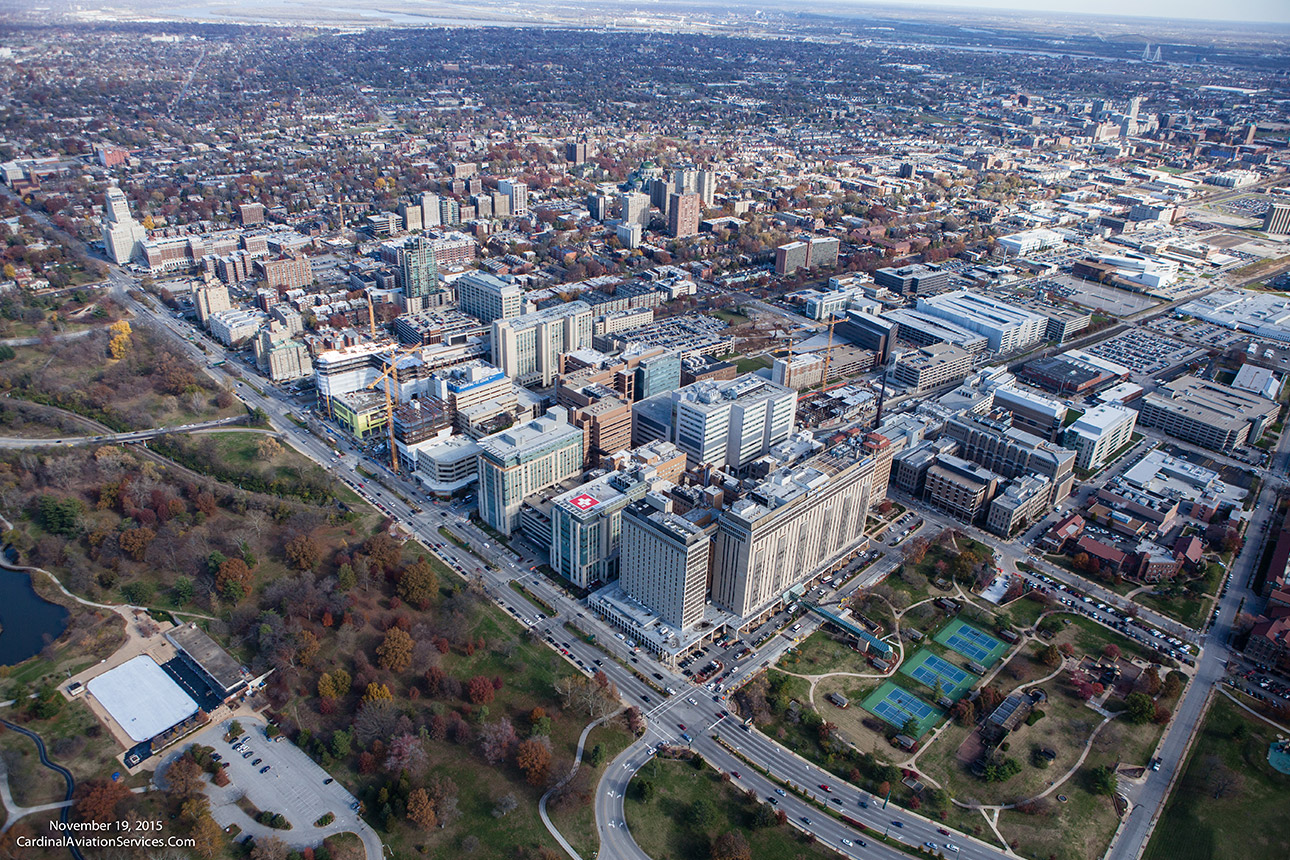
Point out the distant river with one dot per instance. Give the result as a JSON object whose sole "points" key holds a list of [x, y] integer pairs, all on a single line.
{"points": [[28, 622]]}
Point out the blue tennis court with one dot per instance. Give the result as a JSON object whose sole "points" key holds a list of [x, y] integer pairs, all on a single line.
{"points": [[974, 644], [928, 669], [897, 706]]}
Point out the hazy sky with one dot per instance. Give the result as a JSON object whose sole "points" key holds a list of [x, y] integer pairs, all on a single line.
{"points": [[1209, 10]]}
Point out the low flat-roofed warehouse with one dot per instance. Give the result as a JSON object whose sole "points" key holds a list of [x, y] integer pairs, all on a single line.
{"points": [[200, 650], [142, 699]]}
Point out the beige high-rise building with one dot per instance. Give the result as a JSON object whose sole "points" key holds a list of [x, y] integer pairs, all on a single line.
{"points": [[664, 561], [210, 299], [794, 526]]}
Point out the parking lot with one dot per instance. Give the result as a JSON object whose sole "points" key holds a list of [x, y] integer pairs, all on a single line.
{"points": [[1145, 352], [294, 784]]}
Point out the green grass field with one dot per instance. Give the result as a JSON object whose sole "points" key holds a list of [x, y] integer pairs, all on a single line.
{"points": [[665, 827], [1229, 803]]}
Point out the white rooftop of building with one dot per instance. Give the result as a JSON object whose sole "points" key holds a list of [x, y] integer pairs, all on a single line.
{"points": [[709, 394], [142, 698], [516, 441], [1100, 420]]}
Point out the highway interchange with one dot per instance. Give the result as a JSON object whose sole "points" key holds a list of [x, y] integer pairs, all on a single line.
{"points": [[710, 730]]}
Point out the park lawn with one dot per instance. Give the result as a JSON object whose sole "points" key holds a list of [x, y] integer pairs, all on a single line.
{"points": [[576, 821], [1065, 729], [1023, 613], [256, 462], [851, 720], [823, 652], [1090, 638], [663, 830], [733, 317], [1191, 611], [1082, 828], [748, 365], [73, 738], [1247, 819]]}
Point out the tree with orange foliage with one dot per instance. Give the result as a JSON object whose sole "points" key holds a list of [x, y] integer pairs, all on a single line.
{"points": [[533, 756]]}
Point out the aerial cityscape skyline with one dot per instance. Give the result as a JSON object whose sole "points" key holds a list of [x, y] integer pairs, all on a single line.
{"points": [[641, 432]]}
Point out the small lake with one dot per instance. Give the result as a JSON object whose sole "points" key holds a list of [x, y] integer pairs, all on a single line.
{"points": [[28, 622]]}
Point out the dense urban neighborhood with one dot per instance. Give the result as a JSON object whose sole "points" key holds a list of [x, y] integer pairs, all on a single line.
{"points": [[655, 433]]}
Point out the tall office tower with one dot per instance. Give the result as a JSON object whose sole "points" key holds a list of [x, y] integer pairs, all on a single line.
{"points": [[1135, 105], [575, 151], [518, 193], [488, 297], [658, 374], [793, 526], [449, 212], [660, 193], [634, 208], [483, 204], [664, 561], [411, 215], [122, 234], [683, 215], [210, 299], [706, 187], [430, 215], [1277, 218], [598, 206], [527, 348], [726, 423], [418, 273], [523, 460], [1099, 109]]}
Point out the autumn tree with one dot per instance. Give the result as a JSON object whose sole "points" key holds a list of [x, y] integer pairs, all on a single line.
{"points": [[394, 654], [233, 579], [731, 845], [496, 739], [270, 848], [207, 836], [406, 754], [267, 448], [418, 584], [98, 799], [480, 690], [184, 778], [383, 552], [119, 339], [533, 757], [135, 542], [377, 693], [303, 552], [334, 685], [421, 810]]}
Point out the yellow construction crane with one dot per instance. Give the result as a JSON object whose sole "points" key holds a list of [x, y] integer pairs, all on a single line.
{"points": [[395, 355], [828, 351], [371, 315]]}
